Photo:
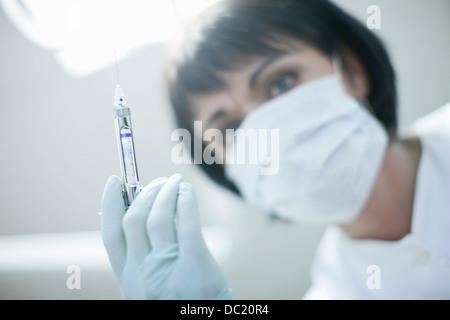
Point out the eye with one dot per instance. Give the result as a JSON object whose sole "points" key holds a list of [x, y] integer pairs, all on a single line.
{"points": [[282, 84]]}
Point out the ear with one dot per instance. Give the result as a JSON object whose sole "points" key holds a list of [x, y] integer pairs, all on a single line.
{"points": [[355, 74]]}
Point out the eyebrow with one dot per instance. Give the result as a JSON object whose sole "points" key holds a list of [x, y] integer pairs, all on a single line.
{"points": [[257, 73]]}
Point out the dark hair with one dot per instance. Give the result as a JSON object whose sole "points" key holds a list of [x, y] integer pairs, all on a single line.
{"points": [[234, 30]]}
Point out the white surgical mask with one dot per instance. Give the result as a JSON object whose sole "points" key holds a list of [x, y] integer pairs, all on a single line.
{"points": [[330, 152]]}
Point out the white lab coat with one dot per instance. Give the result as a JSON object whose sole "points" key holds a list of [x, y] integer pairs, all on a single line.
{"points": [[418, 265]]}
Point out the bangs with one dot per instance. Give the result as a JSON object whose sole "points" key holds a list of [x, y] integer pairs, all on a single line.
{"points": [[220, 43]]}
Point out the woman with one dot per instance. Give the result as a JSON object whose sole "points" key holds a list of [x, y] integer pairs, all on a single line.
{"points": [[325, 83]]}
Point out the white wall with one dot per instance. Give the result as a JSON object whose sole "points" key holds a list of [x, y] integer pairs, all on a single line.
{"points": [[58, 148]]}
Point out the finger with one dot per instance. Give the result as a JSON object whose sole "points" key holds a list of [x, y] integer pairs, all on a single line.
{"points": [[161, 223], [134, 223], [113, 210], [189, 226]]}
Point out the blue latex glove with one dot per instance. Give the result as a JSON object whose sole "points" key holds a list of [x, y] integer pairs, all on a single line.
{"points": [[156, 248]]}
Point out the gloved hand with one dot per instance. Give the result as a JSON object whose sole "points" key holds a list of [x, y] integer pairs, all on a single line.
{"points": [[156, 248]]}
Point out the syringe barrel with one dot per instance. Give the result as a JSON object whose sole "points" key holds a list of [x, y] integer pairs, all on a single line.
{"points": [[125, 143]]}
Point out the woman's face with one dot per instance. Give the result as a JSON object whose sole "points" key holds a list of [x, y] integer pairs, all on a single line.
{"points": [[262, 79]]}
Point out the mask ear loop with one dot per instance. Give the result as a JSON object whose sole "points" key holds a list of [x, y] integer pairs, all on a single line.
{"points": [[366, 103], [336, 61]]}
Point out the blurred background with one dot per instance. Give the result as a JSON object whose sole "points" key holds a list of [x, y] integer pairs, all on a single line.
{"points": [[57, 80]]}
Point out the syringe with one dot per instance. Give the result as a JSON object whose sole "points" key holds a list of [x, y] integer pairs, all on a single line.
{"points": [[125, 142]]}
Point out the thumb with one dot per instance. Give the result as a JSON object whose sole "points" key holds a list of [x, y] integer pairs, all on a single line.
{"points": [[113, 210]]}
